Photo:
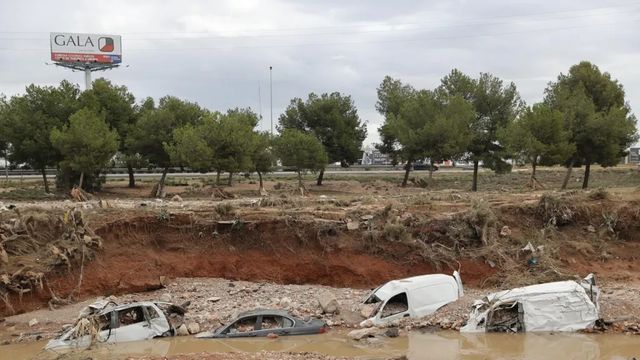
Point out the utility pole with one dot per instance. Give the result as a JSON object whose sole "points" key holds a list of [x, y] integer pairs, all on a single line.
{"points": [[271, 95], [259, 101]]}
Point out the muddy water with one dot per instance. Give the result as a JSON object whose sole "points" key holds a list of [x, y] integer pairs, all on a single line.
{"points": [[441, 345]]}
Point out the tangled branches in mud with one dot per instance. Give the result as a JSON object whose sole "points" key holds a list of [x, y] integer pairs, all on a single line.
{"points": [[554, 210], [32, 246]]}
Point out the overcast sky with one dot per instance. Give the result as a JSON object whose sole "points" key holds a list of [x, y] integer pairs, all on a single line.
{"points": [[218, 53]]}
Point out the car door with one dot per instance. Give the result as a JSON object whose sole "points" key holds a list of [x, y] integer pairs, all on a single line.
{"points": [[243, 327], [132, 325], [158, 323], [107, 324], [394, 308], [274, 324]]}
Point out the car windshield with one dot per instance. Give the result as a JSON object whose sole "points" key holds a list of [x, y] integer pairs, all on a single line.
{"points": [[372, 298]]}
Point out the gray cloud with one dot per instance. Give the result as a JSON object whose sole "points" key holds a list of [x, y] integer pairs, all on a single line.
{"points": [[218, 53]]}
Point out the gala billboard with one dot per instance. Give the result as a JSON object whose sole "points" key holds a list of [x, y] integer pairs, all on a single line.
{"points": [[86, 48]]}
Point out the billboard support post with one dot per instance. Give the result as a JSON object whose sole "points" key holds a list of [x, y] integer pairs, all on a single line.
{"points": [[87, 69], [87, 79]]}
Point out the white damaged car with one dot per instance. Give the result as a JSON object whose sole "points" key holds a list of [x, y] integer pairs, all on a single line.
{"points": [[554, 306], [106, 322], [413, 297]]}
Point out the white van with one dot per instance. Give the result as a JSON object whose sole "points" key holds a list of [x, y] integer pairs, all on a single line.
{"points": [[413, 297], [555, 306]]}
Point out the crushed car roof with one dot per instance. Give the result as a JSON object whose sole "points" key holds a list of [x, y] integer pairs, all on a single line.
{"points": [[538, 289], [110, 308], [264, 312]]}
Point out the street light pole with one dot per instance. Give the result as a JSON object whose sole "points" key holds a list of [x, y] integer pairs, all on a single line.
{"points": [[271, 95]]}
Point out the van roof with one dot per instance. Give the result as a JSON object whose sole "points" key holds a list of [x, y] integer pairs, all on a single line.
{"points": [[395, 286], [568, 286]]}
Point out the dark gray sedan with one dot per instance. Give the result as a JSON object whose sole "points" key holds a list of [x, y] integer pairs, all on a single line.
{"points": [[264, 322]]}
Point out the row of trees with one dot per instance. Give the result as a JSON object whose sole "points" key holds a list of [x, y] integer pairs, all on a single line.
{"points": [[80, 133], [582, 120]]}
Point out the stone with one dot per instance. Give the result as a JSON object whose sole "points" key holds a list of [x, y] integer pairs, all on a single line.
{"points": [[33, 322], [328, 303], [591, 229], [193, 328], [372, 341], [285, 302], [166, 297], [182, 330], [353, 225], [505, 231], [392, 332], [213, 299], [360, 334], [272, 336], [366, 310], [366, 217], [176, 198]]}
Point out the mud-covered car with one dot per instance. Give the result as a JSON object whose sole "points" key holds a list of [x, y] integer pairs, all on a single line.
{"points": [[107, 322], [554, 306], [263, 322]]}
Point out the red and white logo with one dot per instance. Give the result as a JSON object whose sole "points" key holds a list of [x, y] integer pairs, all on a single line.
{"points": [[106, 44]]}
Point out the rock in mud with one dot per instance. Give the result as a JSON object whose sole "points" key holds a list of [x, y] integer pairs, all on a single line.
{"points": [[166, 297], [505, 231], [33, 322], [360, 334], [176, 198], [392, 332], [213, 299], [193, 328], [328, 303], [366, 310], [353, 225], [285, 302], [182, 330]]}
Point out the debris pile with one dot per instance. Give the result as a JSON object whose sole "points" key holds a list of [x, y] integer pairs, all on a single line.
{"points": [[31, 246]]}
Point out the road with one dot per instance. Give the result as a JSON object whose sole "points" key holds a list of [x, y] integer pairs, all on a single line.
{"points": [[273, 174]]}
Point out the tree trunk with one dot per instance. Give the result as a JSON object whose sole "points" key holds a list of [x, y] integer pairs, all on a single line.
{"points": [[81, 180], [160, 190], [568, 175], [534, 184], [218, 177], [260, 179], [474, 183], [6, 167], [320, 176], [301, 184], [407, 169], [229, 183], [132, 178], [534, 163], [587, 170], [44, 178], [262, 190], [430, 169]]}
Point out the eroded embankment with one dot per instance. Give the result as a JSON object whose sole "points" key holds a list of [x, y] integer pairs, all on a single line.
{"points": [[573, 234], [138, 252]]}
